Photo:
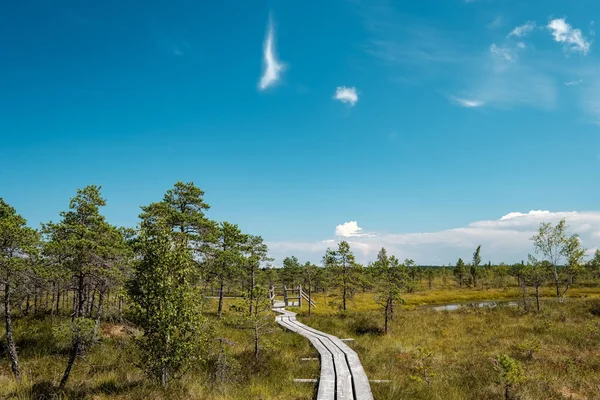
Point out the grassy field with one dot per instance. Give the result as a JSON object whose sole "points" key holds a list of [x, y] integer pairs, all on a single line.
{"points": [[559, 349], [109, 370]]}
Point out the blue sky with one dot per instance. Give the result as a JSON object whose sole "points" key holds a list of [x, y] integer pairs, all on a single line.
{"points": [[455, 113]]}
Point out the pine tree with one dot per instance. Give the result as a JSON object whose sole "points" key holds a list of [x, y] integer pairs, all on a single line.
{"points": [[460, 271], [18, 244], [344, 270], [391, 278], [291, 272], [225, 258], [91, 251], [474, 267]]}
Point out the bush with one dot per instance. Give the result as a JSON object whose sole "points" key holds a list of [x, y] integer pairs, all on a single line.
{"points": [[44, 390], [595, 308], [365, 324]]}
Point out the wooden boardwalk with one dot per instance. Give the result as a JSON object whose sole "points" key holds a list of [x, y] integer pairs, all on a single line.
{"points": [[342, 375]]}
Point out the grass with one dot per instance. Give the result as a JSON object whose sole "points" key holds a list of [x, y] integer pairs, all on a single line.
{"points": [[559, 349], [108, 370]]}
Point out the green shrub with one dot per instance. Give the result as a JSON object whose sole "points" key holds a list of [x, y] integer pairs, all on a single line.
{"points": [[366, 324], [595, 308]]}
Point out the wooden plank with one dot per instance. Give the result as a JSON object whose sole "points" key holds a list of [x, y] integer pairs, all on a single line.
{"points": [[342, 375], [326, 390], [360, 381]]}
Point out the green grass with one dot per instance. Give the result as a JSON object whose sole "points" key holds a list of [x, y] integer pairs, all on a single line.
{"points": [[464, 345], [564, 339], [108, 370]]}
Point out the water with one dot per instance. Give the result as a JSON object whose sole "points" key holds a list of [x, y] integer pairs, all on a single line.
{"points": [[479, 304]]}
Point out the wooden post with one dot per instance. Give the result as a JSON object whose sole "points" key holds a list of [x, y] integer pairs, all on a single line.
{"points": [[272, 294], [285, 296], [300, 296]]}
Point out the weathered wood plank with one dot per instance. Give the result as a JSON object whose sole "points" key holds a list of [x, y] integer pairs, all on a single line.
{"points": [[342, 375]]}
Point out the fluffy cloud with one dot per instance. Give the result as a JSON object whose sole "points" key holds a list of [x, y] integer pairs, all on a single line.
{"points": [[572, 39], [272, 67], [350, 229], [346, 95], [505, 239], [523, 30]]}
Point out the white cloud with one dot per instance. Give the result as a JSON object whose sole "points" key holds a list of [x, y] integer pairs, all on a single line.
{"points": [[523, 30], [518, 214], [346, 95], [572, 39], [574, 83], [272, 66], [469, 103], [506, 239], [348, 229], [503, 52], [521, 45]]}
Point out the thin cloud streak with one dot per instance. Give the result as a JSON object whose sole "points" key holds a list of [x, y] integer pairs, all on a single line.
{"points": [[468, 103], [574, 83], [523, 30], [272, 66]]}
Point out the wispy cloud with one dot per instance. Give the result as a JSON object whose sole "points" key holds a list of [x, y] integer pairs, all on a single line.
{"points": [[574, 83], [591, 101], [176, 47], [500, 79], [571, 38], [272, 66], [180, 49], [397, 38], [508, 74], [503, 52], [514, 86], [523, 30], [504, 239], [469, 103], [346, 95], [496, 22]]}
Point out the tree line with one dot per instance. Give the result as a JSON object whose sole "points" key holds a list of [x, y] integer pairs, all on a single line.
{"points": [[86, 270]]}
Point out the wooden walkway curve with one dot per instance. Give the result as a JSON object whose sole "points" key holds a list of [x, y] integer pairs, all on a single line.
{"points": [[342, 375]]}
